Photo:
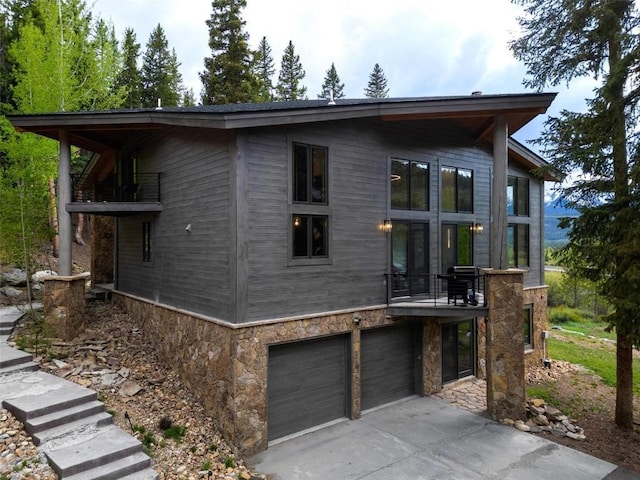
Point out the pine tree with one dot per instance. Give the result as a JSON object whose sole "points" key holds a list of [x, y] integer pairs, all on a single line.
{"points": [[567, 39], [188, 98], [291, 74], [377, 86], [331, 87], [264, 71], [161, 79], [228, 76], [129, 77]]}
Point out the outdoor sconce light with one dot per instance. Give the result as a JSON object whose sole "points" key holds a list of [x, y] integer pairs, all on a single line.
{"points": [[387, 226], [297, 221], [477, 228]]}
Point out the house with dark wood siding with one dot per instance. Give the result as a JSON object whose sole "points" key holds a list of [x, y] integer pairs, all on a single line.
{"points": [[303, 262]]}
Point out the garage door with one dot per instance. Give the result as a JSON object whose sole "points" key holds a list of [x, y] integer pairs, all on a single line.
{"points": [[307, 384], [388, 363]]}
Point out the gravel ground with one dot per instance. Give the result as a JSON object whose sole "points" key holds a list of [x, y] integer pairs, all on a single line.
{"points": [[113, 358]]}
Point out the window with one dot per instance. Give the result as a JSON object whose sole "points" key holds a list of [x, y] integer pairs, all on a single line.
{"points": [[310, 236], [410, 258], [518, 196], [518, 244], [309, 174], [457, 245], [146, 241], [457, 190], [527, 326], [309, 212], [409, 185]]}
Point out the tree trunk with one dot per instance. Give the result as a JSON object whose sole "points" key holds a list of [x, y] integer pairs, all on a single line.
{"points": [[624, 382], [53, 217], [79, 228]]}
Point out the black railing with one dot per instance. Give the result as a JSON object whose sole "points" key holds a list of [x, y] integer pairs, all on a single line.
{"points": [[437, 289], [141, 187]]}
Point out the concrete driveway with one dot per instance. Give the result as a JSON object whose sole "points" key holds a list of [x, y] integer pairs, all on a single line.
{"points": [[425, 438]]}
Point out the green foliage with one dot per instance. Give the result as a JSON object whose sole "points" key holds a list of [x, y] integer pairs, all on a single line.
{"points": [[206, 465], [229, 462], [597, 357], [332, 87], [160, 76], [176, 432], [561, 315], [129, 76], [139, 428], [264, 70], [377, 87], [291, 75], [229, 75]]}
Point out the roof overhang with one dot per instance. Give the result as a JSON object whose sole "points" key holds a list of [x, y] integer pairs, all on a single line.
{"points": [[109, 130]]}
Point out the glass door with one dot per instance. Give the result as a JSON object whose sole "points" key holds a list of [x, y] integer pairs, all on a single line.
{"points": [[410, 258], [458, 352]]}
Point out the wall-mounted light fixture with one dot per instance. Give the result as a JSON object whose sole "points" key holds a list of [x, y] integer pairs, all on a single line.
{"points": [[297, 221], [387, 226], [477, 228]]}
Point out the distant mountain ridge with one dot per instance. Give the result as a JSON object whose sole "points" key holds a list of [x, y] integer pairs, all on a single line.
{"points": [[553, 234]]}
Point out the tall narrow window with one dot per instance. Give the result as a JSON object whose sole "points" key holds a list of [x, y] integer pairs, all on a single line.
{"points": [[146, 241], [456, 190], [309, 174], [409, 185], [457, 245], [518, 196], [518, 244], [527, 326]]}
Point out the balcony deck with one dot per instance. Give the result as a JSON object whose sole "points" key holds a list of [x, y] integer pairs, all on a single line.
{"points": [[459, 294], [116, 195]]}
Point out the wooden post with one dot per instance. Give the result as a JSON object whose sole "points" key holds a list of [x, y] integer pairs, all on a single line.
{"points": [[499, 257], [64, 197]]}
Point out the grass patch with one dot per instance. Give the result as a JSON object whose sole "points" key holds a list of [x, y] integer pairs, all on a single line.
{"points": [[593, 355], [229, 462], [176, 432]]}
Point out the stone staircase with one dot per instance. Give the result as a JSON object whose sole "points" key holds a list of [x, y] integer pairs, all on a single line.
{"points": [[66, 421]]}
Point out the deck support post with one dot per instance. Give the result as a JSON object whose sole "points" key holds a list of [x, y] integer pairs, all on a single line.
{"points": [[64, 197]]}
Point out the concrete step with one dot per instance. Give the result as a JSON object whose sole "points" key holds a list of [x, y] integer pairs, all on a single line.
{"points": [[22, 367], [61, 417], [91, 422], [146, 474], [60, 395], [11, 356], [111, 454]]}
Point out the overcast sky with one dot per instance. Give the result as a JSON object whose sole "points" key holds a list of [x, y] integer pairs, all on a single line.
{"points": [[425, 47]]}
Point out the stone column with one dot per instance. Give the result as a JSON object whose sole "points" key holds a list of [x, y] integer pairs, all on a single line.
{"points": [[356, 406], [505, 345], [432, 357], [64, 304]]}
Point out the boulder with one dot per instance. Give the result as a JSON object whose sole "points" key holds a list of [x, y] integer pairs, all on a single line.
{"points": [[16, 278]]}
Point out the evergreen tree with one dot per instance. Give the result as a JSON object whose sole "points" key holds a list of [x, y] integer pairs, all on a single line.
{"points": [[228, 76], [129, 77], [567, 39], [188, 98], [331, 87], [264, 71], [161, 79], [291, 74], [377, 86], [104, 69]]}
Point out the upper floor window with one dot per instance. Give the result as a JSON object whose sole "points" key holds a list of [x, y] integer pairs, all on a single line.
{"points": [[457, 190], [146, 241], [309, 174], [518, 244], [409, 185], [518, 196], [310, 236]]}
